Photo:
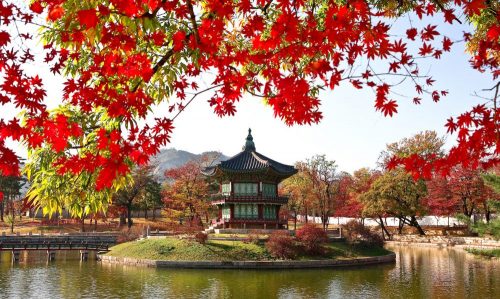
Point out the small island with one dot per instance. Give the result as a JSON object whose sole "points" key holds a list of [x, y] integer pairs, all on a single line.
{"points": [[248, 205], [248, 252]]}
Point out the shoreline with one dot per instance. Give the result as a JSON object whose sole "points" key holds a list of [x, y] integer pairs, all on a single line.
{"points": [[278, 264], [445, 241]]}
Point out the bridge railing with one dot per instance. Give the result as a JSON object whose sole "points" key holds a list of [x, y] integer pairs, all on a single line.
{"points": [[57, 242]]}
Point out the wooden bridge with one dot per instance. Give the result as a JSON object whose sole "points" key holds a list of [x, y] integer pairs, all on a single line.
{"points": [[52, 243]]}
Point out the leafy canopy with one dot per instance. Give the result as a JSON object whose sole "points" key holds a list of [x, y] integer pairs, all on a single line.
{"points": [[122, 57]]}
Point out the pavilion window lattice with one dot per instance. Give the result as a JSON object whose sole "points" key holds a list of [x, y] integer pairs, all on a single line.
{"points": [[246, 211], [268, 190], [246, 189], [226, 189], [226, 212], [269, 212]]}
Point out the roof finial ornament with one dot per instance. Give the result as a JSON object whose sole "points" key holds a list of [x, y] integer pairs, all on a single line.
{"points": [[249, 145]]}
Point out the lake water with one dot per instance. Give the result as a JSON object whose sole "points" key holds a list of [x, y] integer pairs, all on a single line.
{"points": [[420, 272]]}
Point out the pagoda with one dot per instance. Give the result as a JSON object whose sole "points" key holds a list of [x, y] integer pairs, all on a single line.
{"points": [[248, 194]]}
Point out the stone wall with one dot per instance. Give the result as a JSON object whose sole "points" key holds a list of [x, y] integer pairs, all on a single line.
{"points": [[446, 241], [390, 258]]}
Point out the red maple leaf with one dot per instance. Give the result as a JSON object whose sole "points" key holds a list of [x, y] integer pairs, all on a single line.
{"points": [[426, 49], [429, 32], [411, 33], [55, 13], [449, 16], [447, 43], [390, 108], [474, 7], [88, 18], [178, 40], [4, 38], [36, 7]]}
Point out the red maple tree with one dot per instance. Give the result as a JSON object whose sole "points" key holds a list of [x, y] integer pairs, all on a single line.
{"points": [[125, 56]]}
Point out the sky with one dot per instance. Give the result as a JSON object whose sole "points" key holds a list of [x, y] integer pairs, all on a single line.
{"points": [[352, 133]]}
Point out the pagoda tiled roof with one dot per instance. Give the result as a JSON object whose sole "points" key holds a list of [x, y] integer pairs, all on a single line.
{"points": [[249, 160]]}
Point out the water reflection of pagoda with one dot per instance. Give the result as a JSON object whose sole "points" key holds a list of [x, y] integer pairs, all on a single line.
{"points": [[248, 195]]}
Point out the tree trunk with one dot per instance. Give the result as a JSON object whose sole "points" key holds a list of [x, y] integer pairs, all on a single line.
{"points": [[400, 226], [384, 229], [145, 213], [82, 228], [306, 215], [154, 214], [95, 224], [487, 212], [123, 219], [415, 224], [129, 216], [2, 209]]}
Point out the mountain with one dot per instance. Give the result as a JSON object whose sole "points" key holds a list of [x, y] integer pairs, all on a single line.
{"points": [[172, 158]]}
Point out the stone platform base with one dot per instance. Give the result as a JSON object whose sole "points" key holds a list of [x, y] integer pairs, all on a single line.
{"points": [[239, 231], [361, 261]]}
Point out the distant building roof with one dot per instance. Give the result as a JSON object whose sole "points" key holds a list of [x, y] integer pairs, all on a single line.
{"points": [[249, 160]]}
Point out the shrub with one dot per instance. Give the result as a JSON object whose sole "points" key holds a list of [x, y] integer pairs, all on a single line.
{"points": [[358, 234], [311, 238], [201, 237], [281, 245]]}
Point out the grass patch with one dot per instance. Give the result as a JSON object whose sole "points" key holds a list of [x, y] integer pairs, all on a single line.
{"points": [[487, 253], [175, 249]]}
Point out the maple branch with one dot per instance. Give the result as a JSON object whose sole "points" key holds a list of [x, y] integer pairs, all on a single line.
{"points": [[157, 66], [194, 96], [441, 7], [193, 21]]}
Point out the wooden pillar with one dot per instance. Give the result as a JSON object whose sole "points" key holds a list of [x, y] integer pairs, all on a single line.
{"points": [[84, 255], [277, 216], [51, 255], [15, 255], [220, 211], [260, 209]]}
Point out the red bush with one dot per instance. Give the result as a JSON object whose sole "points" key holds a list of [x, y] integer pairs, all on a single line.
{"points": [[311, 238], [201, 237], [281, 245]]}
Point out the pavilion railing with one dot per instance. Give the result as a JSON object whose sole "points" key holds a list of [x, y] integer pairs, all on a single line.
{"points": [[247, 198]]}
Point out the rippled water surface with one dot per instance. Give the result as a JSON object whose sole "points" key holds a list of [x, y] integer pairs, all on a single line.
{"points": [[418, 273]]}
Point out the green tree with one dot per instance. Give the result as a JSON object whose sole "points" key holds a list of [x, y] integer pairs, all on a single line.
{"points": [[11, 187], [298, 187], [151, 198], [143, 187], [55, 186], [324, 179], [396, 194]]}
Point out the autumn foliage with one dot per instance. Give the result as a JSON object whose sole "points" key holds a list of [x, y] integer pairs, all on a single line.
{"points": [[312, 238], [122, 57], [281, 245]]}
